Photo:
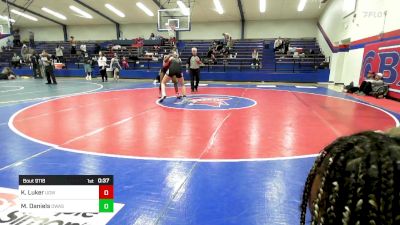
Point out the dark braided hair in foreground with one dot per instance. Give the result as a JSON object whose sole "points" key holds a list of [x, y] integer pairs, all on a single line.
{"points": [[355, 180]]}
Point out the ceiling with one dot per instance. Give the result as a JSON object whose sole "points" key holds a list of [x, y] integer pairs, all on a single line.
{"points": [[202, 11]]}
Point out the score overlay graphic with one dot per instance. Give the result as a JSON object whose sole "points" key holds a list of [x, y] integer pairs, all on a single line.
{"points": [[66, 193]]}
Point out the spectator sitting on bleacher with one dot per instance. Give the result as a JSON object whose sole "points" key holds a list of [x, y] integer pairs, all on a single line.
{"points": [[124, 62], [9, 44], [225, 52], [116, 47], [278, 44], [211, 56], [7, 74], [286, 45], [59, 53], [156, 48], [256, 60], [152, 37], [82, 47], [16, 61]]}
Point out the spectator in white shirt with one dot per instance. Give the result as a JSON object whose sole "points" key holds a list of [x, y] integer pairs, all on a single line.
{"points": [[278, 44], [59, 53], [102, 62]]}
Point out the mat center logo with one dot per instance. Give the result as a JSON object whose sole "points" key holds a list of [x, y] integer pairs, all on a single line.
{"points": [[209, 102]]}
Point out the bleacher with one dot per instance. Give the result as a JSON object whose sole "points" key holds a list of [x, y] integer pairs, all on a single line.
{"points": [[240, 57], [310, 60]]}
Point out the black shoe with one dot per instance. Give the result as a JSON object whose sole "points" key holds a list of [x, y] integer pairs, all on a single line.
{"points": [[48, 83], [163, 98], [196, 90], [55, 83]]}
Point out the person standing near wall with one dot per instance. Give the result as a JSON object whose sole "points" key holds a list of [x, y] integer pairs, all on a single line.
{"points": [[24, 53], [17, 38], [193, 64], [102, 62], [31, 39], [87, 65], [48, 67], [73, 45], [228, 40], [60, 53], [172, 34], [115, 66], [35, 66]]}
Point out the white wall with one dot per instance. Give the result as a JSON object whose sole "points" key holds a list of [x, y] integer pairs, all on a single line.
{"points": [[131, 31], [93, 32], [326, 50], [212, 30], [52, 33], [199, 31], [283, 28], [367, 21]]}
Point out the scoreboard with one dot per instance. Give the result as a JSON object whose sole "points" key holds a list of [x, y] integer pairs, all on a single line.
{"points": [[66, 193]]}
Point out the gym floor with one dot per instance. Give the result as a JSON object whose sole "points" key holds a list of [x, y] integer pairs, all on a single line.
{"points": [[232, 153]]}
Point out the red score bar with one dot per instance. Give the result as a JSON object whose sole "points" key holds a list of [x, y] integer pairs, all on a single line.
{"points": [[106, 192]]}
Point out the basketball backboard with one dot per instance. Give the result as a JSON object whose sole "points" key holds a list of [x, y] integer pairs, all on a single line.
{"points": [[173, 18]]}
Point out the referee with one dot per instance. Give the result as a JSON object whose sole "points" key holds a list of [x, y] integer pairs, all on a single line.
{"points": [[193, 63]]}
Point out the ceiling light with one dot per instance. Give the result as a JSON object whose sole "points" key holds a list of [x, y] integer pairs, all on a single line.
{"points": [[56, 14], [114, 10], [24, 15], [7, 19], [81, 12], [301, 6], [263, 6], [185, 10], [218, 7], [144, 8]]}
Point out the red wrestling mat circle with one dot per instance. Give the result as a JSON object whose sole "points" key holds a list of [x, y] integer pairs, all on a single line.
{"points": [[129, 123]]}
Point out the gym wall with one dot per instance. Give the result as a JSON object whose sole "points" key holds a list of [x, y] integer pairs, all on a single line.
{"points": [[200, 31], [367, 21]]}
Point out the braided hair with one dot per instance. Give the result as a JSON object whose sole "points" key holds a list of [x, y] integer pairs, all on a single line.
{"points": [[359, 181]]}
